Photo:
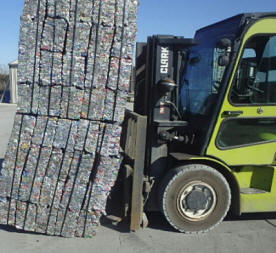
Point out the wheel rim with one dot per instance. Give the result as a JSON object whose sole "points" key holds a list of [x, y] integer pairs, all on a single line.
{"points": [[196, 200]]}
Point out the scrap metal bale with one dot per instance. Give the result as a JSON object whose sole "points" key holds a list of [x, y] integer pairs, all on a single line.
{"points": [[63, 157]]}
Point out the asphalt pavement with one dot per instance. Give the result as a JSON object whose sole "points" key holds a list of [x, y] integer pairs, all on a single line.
{"points": [[250, 233]]}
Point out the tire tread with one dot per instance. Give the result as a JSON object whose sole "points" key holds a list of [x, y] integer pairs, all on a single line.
{"points": [[169, 179]]}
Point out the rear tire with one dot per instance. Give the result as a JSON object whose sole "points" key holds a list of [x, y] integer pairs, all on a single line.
{"points": [[194, 198]]}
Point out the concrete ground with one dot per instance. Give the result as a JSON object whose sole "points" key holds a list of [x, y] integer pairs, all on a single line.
{"points": [[250, 233]]}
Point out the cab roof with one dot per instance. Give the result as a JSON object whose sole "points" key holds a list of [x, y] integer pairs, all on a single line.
{"points": [[242, 19]]}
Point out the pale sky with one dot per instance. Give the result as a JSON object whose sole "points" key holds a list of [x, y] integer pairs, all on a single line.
{"points": [[176, 17]]}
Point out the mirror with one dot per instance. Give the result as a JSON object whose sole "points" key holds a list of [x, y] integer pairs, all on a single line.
{"points": [[224, 43], [223, 60]]}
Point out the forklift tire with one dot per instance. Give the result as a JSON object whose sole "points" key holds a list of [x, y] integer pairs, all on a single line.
{"points": [[194, 198]]}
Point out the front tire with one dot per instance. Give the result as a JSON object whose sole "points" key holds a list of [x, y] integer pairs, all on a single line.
{"points": [[194, 198]]}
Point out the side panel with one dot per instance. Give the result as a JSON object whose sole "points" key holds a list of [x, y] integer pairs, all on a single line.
{"points": [[244, 136]]}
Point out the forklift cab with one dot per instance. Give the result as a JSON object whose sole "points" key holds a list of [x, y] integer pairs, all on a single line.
{"points": [[211, 136]]}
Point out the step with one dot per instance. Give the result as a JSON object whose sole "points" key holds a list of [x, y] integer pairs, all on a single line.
{"points": [[252, 191]]}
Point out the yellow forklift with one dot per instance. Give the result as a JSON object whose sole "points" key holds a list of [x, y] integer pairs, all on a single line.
{"points": [[202, 138]]}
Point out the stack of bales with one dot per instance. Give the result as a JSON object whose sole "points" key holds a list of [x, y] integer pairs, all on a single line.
{"points": [[63, 157]]}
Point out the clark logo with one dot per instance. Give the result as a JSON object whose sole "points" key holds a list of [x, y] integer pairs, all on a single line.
{"points": [[164, 67]]}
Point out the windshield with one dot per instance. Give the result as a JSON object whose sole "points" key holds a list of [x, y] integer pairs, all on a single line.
{"points": [[202, 80]]}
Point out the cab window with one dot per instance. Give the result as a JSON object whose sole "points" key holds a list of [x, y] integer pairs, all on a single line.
{"points": [[255, 80], [246, 131]]}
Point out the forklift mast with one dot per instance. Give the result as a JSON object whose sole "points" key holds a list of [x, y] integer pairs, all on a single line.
{"points": [[160, 59], [159, 66]]}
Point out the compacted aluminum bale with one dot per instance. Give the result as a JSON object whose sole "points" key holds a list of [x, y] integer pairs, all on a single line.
{"points": [[75, 61]]}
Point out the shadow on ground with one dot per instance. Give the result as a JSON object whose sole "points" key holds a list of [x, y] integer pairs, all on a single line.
{"points": [[1, 163], [267, 217], [13, 229], [252, 216], [158, 222]]}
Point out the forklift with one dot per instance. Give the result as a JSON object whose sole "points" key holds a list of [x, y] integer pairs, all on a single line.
{"points": [[202, 138]]}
